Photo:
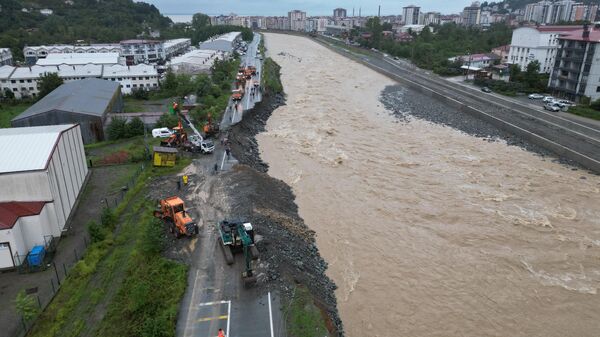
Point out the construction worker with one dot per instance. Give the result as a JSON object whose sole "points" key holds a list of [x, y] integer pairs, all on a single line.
{"points": [[221, 333]]}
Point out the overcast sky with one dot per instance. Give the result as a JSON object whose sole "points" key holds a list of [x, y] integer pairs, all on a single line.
{"points": [[312, 7]]}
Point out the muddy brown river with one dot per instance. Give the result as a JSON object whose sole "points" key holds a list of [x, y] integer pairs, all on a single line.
{"points": [[429, 231]]}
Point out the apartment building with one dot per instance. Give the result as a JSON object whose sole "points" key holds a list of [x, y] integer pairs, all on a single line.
{"points": [[551, 12], [142, 51], [339, 13], [576, 71], [176, 47], [471, 16], [536, 43], [411, 15], [141, 76], [431, 18], [6, 58], [297, 20]]}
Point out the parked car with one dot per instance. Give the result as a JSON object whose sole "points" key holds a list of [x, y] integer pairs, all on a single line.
{"points": [[551, 107], [486, 89], [536, 96], [162, 133], [548, 99]]}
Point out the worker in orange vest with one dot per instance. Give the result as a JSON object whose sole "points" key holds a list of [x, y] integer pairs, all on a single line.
{"points": [[221, 333]]}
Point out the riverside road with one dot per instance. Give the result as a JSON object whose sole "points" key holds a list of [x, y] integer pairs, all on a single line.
{"points": [[567, 136]]}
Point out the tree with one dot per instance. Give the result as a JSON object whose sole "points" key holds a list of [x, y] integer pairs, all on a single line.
{"points": [[200, 20], [135, 127], [48, 82], [514, 71], [166, 121], [26, 306], [117, 128], [531, 76], [8, 94]]}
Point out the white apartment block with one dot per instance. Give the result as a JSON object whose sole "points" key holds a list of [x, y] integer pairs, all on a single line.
{"points": [[297, 20], [411, 15], [142, 51], [536, 43], [6, 58], [176, 47], [33, 53], [551, 12], [23, 81]]}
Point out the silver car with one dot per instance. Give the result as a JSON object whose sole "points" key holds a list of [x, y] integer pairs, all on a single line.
{"points": [[551, 107]]}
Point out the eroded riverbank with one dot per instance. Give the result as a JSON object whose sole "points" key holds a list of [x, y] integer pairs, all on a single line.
{"points": [[429, 231]]}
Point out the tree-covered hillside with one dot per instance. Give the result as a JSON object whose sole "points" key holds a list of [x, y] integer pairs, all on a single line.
{"points": [[21, 22]]}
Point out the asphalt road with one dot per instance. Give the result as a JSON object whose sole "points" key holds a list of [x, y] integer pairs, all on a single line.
{"points": [[571, 133], [234, 112]]}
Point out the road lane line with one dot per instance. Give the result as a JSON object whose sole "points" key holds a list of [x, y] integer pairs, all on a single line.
{"points": [[270, 315], [228, 315], [212, 303], [206, 319], [223, 161]]}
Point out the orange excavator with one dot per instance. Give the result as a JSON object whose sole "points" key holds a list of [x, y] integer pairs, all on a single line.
{"points": [[178, 138], [210, 129]]}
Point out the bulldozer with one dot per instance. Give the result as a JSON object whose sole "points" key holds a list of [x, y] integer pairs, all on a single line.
{"points": [[172, 211], [238, 237]]}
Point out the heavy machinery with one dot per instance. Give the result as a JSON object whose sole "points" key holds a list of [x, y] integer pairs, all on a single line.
{"points": [[177, 139], [237, 94], [172, 212], [236, 237], [210, 129], [252, 70]]}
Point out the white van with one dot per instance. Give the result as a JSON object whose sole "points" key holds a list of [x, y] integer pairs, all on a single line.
{"points": [[162, 133]]}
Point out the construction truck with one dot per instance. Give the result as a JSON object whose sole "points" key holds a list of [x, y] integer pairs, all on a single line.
{"points": [[172, 212], [237, 94], [252, 70], [238, 237]]}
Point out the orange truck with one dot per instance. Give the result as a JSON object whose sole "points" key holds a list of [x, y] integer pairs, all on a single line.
{"points": [[172, 211]]}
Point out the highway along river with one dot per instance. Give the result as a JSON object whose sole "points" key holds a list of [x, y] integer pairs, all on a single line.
{"points": [[429, 231]]}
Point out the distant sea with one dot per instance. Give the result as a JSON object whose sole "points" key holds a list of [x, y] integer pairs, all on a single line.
{"points": [[180, 18]]}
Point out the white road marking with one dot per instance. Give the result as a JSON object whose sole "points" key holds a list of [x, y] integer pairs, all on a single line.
{"points": [[228, 317], [270, 315], [223, 161], [212, 303]]}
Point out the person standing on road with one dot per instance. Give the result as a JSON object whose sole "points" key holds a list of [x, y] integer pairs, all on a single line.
{"points": [[216, 168], [221, 333], [228, 151]]}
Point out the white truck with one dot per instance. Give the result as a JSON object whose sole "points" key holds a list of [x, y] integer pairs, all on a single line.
{"points": [[202, 145]]}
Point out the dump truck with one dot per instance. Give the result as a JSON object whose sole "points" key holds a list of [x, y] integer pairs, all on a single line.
{"points": [[172, 211], [238, 237]]}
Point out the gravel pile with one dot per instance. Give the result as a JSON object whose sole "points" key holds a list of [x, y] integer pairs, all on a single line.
{"points": [[404, 102]]}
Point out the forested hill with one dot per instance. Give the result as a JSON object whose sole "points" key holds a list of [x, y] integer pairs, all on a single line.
{"points": [[21, 22]]}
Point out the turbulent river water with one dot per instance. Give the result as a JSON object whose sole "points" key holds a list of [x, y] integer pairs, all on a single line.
{"points": [[429, 231]]}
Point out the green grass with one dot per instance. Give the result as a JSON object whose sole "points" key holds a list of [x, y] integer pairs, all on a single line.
{"points": [[304, 318], [8, 112], [134, 147], [271, 81], [585, 112], [119, 274], [133, 105]]}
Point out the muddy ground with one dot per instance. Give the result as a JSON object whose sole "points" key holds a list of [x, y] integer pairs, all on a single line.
{"points": [[288, 253]]}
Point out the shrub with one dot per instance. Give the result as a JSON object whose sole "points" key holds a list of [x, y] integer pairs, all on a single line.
{"points": [[97, 232], [117, 128], [135, 127], [26, 306], [140, 94], [108, 218]]}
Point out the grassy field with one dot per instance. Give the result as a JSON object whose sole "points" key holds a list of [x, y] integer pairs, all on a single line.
{"points": [[304, 318], [107, 292], [8, 112], [585, 112], [130, 150]]}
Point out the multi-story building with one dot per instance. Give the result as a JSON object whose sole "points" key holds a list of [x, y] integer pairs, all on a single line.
{"points": [[142, 51], [536, 43], [551, 12], [6, 58], [454, 18], [502, 52], [176, 47], [576, 71], [297, 20], [431, 18], [410, 15], [75, 59], [33, 53], [471, 15], [23, 81], [339, 13]]}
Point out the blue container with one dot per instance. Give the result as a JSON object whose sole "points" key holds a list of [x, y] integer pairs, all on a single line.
{"points": [[36, 256]]}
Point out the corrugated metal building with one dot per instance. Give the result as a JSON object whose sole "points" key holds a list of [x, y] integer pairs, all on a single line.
{"points": [[84, 102], [42, 173], [224, 42]]}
